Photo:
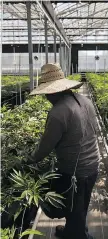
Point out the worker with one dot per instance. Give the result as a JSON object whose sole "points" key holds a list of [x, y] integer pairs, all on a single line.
{"points": [[71, 131]]}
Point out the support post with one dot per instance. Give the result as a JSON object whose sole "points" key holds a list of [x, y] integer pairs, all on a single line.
{"points": [[19, 80], [62, 57], [65, 53], [46, 40], [60, 54], [30, 47], [55, 46], [70, 63], [64, 60], [74, 54], [68, 60]]}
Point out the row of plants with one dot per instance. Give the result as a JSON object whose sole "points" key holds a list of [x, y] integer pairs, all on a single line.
{"points": [[23, 186], [76, 77], [99, 86], [12, 84], [98, 83]]}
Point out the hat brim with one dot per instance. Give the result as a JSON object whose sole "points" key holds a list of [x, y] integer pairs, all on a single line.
{"points": [[56, 86]]}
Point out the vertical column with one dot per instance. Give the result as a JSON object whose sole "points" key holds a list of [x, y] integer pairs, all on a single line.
{"points": [[64, 62], [62, 57], [55, 46], [70, 63], [74, 54], [46, 40], [30, 47], [1, 22], [67, 61], [60, 54], [65, 52]]}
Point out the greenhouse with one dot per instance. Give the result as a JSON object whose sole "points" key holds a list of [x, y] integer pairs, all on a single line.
{"points": [[54, 53]]}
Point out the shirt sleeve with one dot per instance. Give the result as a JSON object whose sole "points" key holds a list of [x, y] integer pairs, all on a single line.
{"points": [[52, 135]]}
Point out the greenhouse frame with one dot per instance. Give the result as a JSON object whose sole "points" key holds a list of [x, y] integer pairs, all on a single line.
{"points": [[73, 34]]}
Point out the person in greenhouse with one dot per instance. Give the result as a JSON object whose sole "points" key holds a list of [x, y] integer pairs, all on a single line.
{"points": [[71, 131]]}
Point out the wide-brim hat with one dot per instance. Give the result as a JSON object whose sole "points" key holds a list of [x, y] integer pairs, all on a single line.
{"points": [[53, 81]]}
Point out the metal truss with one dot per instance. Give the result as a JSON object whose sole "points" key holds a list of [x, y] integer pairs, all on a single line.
{"points": [[82, 17], [15, 13], [72, 20]]}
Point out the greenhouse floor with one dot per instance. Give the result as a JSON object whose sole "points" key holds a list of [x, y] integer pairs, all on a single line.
{"points": [[97, 216]]}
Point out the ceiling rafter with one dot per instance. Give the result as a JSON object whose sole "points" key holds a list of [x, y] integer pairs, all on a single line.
{"points": [[75, 9], [91, 15], [94, 13], [82, 18]]}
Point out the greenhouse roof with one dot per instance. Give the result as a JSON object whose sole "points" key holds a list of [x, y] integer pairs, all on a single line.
{"points": [[76, 21]]}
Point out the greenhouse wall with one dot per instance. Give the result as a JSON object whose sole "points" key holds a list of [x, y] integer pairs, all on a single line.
{"points": [[88, 63], [18, 63]]}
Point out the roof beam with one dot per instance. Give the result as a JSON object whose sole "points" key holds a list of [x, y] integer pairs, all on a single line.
{"points": [[17, 1], [56, 1], [94, 35], [66, 28], [99, 18], [76, 1], [62, 18], [48, 10], [22, 19], [73, 35], [20, 28], [89, 28]]}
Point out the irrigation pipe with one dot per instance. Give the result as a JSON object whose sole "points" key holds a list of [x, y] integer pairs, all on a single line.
{"points": [[35, 222]]}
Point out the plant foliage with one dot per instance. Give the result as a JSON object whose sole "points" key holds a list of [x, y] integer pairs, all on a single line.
{"points": [[99, 85], [22, 185]]}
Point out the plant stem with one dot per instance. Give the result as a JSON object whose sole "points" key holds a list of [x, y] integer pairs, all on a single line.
{"points": [[22, 221]]}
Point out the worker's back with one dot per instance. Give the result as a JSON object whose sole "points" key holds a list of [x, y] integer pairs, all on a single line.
{"points": [[79, 124]]}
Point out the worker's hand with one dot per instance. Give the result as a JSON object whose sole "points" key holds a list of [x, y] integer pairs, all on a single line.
{"points": [[35, 167], [31, 162]]}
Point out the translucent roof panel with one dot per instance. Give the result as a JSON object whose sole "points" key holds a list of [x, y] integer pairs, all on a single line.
{"points": [[14, 24], [84, 21]]}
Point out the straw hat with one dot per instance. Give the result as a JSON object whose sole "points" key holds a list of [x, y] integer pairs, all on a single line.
{"points": [[53, 80]]}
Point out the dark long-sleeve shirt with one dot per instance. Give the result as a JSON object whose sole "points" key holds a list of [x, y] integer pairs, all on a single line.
{"points": [[71, 128]]}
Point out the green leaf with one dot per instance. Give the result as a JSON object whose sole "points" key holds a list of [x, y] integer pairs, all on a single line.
{"points": [[17, 213], [30, 200], [52, 175], [24, 194], [36, 200], [31, 232], [53, 194], [54, 204]]}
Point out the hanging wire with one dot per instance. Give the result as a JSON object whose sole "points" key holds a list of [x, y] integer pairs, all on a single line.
{"points": [[51, 229], [1, 37], [13, 97], [100, 215], [39, 45], [19, 83], [54, 31], [14, 55]]}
